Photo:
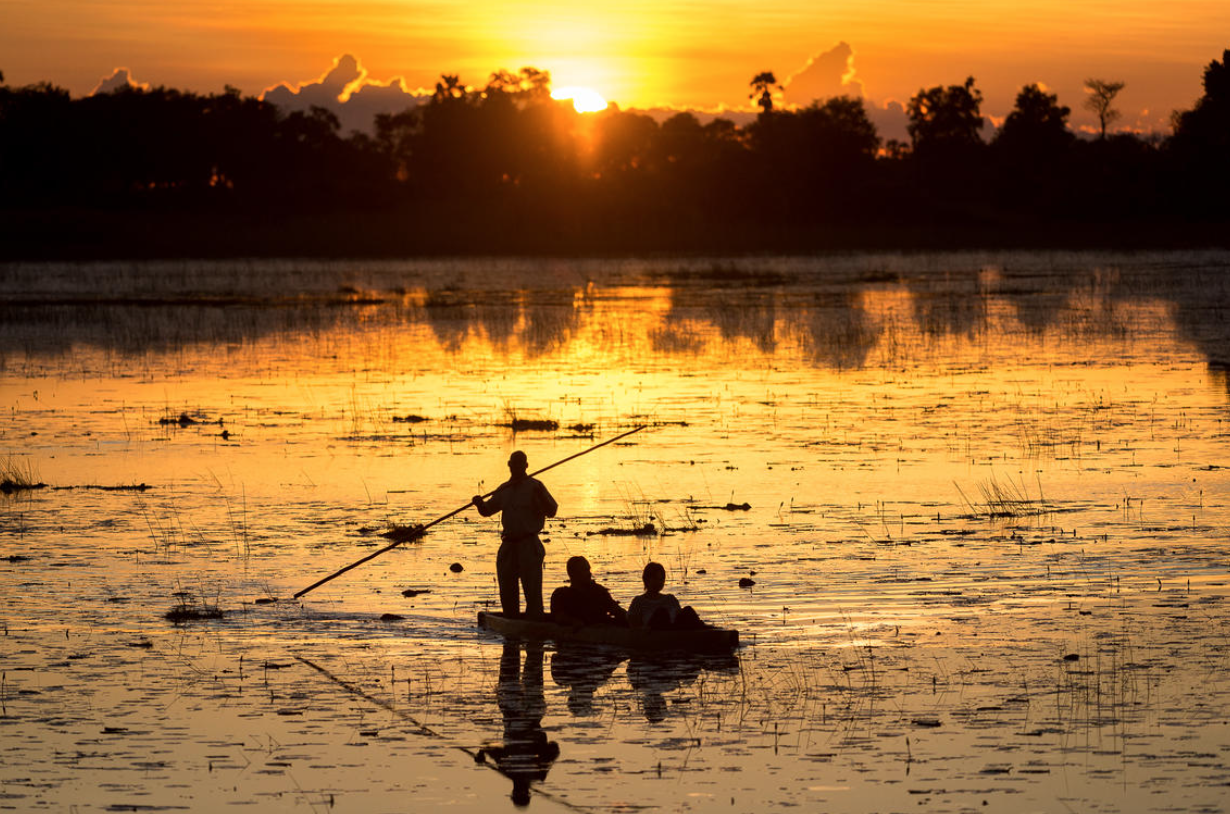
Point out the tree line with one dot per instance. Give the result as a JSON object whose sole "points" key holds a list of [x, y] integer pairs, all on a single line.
{"points": [[505, 167]]}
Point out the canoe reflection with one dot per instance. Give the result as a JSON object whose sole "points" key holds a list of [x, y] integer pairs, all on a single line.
{"points": [[526, 755], [654, 675], [582, 669]]}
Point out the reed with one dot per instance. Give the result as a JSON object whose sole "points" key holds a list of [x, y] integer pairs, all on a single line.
{"points": [[18, 475], [1004, 499]]}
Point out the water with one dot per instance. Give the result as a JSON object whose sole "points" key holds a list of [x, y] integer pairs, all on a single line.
{"points": [[988, 527]]}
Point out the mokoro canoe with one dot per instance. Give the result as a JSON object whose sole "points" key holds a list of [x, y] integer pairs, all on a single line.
{"points": [[703, 640]]}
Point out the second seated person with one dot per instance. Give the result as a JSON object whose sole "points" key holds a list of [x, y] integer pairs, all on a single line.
{"points": [[659, 611]]}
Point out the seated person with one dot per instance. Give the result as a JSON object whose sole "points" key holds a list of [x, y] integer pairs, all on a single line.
{"points": [[584, 602], [659, 611]]}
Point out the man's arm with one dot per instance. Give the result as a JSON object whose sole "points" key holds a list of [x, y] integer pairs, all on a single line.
{"points": [[548, 505], [488, 508]]}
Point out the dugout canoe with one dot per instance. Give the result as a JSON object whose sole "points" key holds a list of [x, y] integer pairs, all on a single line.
{"points": [[703, 640]]}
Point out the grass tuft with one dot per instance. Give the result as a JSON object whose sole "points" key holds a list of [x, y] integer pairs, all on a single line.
{"points": [[17, 475]]}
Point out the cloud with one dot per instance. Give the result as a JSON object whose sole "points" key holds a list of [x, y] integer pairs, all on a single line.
{"points": [[120, 79], [827, 74], [890, 120], [347, 91]]}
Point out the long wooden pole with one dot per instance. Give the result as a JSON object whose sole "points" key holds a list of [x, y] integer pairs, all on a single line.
{"points": [[457, 511]]}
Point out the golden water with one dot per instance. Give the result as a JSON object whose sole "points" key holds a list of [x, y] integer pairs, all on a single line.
{"points": [[989, 525]]}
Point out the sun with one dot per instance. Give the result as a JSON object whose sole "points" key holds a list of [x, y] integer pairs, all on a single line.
{"points": [[584, 100]]}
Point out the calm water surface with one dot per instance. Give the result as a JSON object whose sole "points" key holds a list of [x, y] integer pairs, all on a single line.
{"points": [[989, 530]]}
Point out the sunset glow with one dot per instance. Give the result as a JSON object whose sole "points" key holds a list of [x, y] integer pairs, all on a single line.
{"points": [[641, 55], [584, 100]]}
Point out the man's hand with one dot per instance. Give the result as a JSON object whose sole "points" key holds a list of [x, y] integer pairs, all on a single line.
{"points": [[477, 500]]}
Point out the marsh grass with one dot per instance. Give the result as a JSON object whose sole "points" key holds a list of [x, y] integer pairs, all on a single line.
{"points": [[189, 611], [518, 423], [18, 475], [239, 525], [1004, 499]]}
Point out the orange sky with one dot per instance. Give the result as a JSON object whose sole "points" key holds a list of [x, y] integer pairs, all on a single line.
{"points": [[686, 53]]}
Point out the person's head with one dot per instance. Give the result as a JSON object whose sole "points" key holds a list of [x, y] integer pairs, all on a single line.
{"points": [[518, 464], [578, 570], [654, 577], [521, 791]]}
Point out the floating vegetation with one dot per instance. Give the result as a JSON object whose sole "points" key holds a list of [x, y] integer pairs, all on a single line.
{"points": [[193, 613], [182, 420], [410, 419], [646, 530], [412, 592], [133, 487], [403, 534], [518, 424], [532, 424]]}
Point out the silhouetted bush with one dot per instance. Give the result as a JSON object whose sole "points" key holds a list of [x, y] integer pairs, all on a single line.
{"points": [[507, 168]]}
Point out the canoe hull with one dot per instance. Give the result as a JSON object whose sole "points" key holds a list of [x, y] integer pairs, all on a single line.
{"points": [[705, 640]]}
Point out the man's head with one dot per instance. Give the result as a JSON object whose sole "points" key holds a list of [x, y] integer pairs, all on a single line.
{"points": [[654, 577], [578, 570], [518, 464]]}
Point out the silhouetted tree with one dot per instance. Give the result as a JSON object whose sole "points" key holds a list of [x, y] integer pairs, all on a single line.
{"points": [[947, 149], [395, 135], [945, 117], [1207, 125], [39, 138], [762, 86], [1200, 147], [449, 87], [1031, 151], [506, 167], [624, 143], [1037, 125], [1101, 95]]}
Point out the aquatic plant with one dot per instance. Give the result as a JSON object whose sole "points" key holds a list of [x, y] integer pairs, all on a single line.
{"points": [[518, 423], [189, 610], [1004, 499], [17, 475]]}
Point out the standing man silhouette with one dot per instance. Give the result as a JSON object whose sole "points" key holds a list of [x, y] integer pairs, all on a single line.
{"points": [[525, 504]]}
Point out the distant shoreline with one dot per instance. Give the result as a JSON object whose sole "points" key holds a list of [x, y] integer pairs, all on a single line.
{"points": [[113, 234]]}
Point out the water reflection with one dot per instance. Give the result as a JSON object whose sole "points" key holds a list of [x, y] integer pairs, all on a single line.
{"points": [[833, 313], [525, 755], [582, 670], [653, 676]]}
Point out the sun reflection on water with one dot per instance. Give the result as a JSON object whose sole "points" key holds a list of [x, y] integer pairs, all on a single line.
{"points": [[985, 526]]}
